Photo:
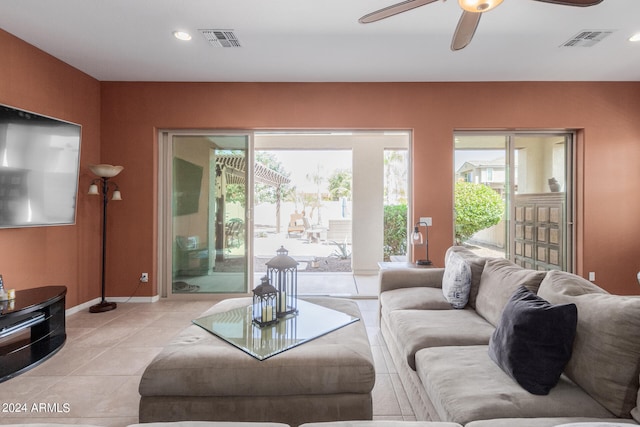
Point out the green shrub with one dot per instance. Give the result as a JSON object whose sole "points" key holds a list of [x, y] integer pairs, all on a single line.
{"points": [[395, 230], [476, 207]]}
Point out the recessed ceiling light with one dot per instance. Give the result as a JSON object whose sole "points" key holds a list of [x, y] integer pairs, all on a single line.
{"points": [[635, 38], [182, 35]]}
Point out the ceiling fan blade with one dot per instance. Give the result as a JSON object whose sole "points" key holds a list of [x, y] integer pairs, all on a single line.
{"points": [[582, 3], [465, 30], [393, 10]]}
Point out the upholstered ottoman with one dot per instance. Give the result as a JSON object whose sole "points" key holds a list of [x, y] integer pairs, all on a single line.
{"points": [[199, 376], [383, 423]]}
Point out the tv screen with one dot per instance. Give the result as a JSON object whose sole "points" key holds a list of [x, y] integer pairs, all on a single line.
{"points": [[39, 168]]}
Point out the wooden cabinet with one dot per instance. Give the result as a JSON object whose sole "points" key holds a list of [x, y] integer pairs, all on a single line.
{"points": [[32, 328], [539, 231]]}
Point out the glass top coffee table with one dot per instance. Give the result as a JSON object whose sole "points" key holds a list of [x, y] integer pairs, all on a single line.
{"points": [[236, 327]]}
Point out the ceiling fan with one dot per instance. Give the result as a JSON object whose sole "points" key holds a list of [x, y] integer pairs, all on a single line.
{"points": [[472, 10]]}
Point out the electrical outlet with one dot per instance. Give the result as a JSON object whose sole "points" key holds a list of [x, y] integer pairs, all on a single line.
{"points": [[426, 220], [592, 276], [144, 277]]}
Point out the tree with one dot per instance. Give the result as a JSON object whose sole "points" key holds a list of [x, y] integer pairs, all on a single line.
{"points": [[340, 184], [476, 207]]}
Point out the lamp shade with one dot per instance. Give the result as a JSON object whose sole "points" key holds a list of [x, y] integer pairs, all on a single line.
{"points": [[116, 195], [106, 171], [416, 237], [93, 190], [478, 5]]}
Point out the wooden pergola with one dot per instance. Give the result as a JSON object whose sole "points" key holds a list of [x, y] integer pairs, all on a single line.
{"points": [[233, 168]]}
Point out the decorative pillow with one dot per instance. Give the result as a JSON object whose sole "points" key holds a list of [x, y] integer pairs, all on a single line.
{"points": [[456, 281], [476, 263], [533, 340]]}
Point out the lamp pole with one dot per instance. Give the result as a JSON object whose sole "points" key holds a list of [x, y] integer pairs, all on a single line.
{"points": [[104, 172]]}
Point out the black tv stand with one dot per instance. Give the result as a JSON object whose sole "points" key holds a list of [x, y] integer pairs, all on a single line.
{"points": [[32, 329]]}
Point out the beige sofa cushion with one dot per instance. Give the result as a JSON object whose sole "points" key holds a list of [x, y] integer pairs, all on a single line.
{"points": [[381, 423], [421, 298], [464, 385], [418, 329], [606, 351], [635, 412], [396, 278], [500, 279], [49, 425], [210, 424], [545, 422]]}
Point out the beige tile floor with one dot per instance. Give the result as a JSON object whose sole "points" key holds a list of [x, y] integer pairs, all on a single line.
{"points": [[94, 378]]}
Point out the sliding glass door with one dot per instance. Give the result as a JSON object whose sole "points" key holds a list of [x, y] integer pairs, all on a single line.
{"points": [[213, 238], [527, 215], [209, 182]]}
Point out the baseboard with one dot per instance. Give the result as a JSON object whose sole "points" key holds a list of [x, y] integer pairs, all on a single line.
{"points": [[85, 306]]}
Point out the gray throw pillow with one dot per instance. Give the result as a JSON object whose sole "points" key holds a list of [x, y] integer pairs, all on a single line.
{"points": [[456, 281], [533, 340]]}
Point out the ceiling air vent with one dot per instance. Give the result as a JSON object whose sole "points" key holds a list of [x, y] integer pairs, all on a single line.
{"points": [[221, 38], [587, 38]]}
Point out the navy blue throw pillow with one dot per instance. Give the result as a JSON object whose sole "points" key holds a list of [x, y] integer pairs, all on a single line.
{"points": [[533, 340]]}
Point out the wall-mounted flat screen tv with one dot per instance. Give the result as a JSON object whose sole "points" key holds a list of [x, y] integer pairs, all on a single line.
{"points": [[39, 169]]}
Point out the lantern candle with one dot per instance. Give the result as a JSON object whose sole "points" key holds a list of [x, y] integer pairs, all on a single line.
{"points": [[265, 304], [267, 314], [282, 271]]}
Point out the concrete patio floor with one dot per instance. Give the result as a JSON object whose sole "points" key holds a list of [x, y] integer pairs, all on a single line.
{"points": [[265, 245]]}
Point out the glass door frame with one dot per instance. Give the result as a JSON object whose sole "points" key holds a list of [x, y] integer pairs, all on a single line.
{"points": [[569, 223], [165, 208]]}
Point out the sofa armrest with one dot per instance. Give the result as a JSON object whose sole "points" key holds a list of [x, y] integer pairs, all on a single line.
{"points": [[410, 278]]}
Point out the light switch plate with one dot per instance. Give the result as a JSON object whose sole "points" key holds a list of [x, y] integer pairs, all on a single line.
{"points": [[426, 220]]}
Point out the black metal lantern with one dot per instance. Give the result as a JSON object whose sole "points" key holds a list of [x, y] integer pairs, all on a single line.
{"points": [[265, 298], [282, 271]]}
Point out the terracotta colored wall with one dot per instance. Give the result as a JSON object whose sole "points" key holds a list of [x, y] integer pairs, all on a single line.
{"points": [[605, 112], [67, 255]]}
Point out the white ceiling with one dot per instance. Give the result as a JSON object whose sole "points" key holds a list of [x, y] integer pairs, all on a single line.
{"points": [[321, 40]]}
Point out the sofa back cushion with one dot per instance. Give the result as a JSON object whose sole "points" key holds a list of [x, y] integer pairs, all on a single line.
{"points": [[635, 412], [500, 279], [606, 350], [475, 264]]}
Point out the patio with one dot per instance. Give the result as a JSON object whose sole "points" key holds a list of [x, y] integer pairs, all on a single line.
{"points": [[329, 275]]}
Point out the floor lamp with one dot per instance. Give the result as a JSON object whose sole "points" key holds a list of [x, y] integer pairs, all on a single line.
{"points": [[416, 240], [101, 186]]}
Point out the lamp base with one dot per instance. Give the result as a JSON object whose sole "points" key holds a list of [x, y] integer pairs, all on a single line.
{"points": [[423, 262], [102, 307]]}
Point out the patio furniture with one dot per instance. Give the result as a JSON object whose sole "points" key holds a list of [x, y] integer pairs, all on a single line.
{"points": [[233, 231], [296, 224]]}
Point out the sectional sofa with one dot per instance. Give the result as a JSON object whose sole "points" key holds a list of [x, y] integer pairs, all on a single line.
{"points": [[485, 343], [368, 423]]}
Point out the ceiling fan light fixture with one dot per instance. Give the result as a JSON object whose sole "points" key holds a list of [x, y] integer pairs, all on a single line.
{"points": [[476, 6]]}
